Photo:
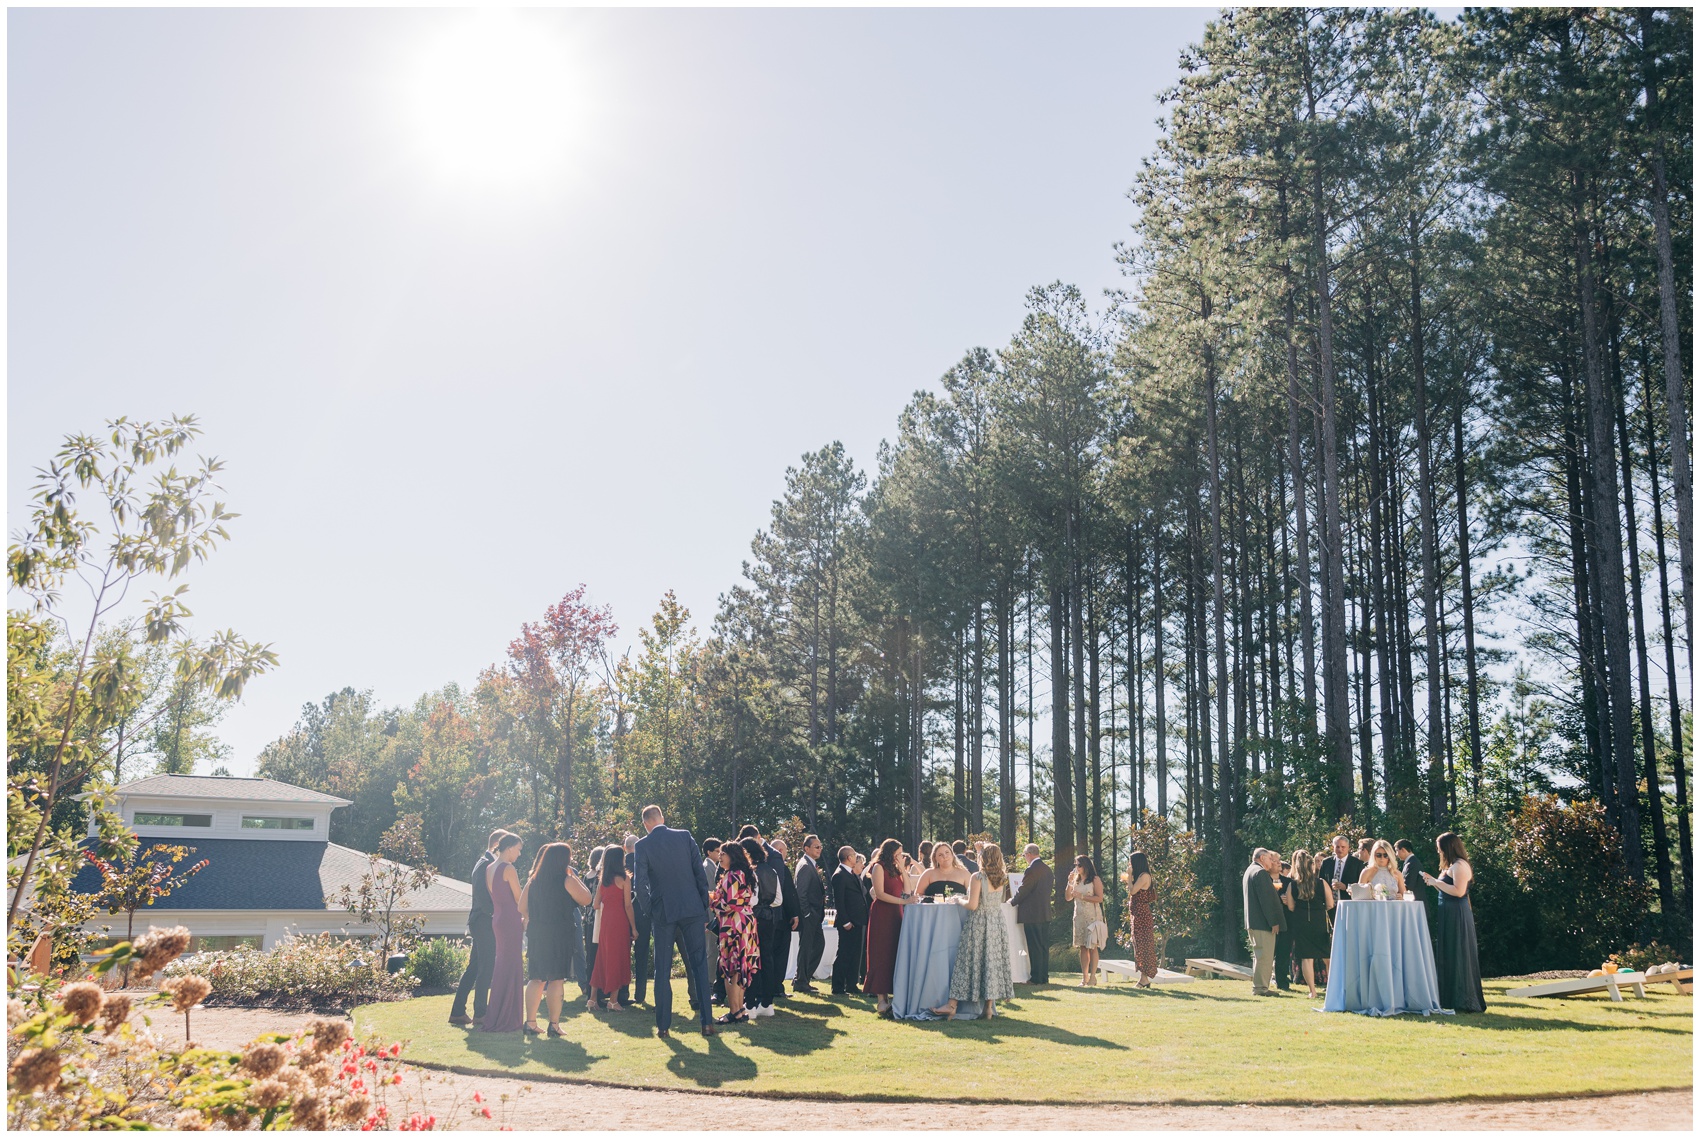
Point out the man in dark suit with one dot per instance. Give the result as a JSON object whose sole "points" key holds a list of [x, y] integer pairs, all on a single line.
{"points": [[1411, 871], [481, 964], [811, 899], [671, 890], [776, 919], [1264, 916], [969, 861], [1033, 913], [850, 918], [1342, 869]]}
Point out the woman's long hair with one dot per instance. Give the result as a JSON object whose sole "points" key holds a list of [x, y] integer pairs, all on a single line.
{"points": [[991, 864], [1138, 865], [738, 860], [613, 865], [942, 849], [887, 859], [1450, 847], [551, 864], [755, 853], [1392, 861], [1304, 875], [1088, 871]]}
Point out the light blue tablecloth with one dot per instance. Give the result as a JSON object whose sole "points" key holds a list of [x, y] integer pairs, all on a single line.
{"points": [[1382, 963], [926, 951]]}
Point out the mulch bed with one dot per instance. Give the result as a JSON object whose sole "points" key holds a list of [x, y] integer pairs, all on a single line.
{"points": [[319, 1005], [1559, 974]]}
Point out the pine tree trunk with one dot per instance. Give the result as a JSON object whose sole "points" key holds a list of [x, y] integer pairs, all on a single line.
{"points": [[1231, 938], [1162, 740], [1685, 841], [1062, 769], [1437, 782], [1606, 540], [1472, 690]]}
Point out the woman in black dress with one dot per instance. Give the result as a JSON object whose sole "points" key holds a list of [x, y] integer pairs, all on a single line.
{"points": [[554, 942], [1310, 899], [1456, 965]]}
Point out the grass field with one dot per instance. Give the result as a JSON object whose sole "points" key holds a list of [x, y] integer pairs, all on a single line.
{"points": [[1207, 1042]]}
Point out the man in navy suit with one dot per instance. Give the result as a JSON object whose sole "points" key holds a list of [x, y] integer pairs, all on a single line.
{"points": [[670, 891]]}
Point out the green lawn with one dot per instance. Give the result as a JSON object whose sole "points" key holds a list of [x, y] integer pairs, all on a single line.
{"points": [[1209, 1041]]}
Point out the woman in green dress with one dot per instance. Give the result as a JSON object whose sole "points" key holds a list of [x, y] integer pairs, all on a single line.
{"points": [[981, 971]]}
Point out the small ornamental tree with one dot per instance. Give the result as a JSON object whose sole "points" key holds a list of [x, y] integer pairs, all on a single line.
{"points": [[1181, 902], [138, 880], [1571, 859], [396, 871]]}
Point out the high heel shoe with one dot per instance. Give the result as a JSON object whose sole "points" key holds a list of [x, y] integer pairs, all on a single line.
{"points": [[529, 1029], [555, 1031]]}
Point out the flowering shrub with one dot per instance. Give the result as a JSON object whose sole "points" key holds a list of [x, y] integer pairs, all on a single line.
{"points": [[81, 1058], [437, 962], [1639, 958], [317, 969]]}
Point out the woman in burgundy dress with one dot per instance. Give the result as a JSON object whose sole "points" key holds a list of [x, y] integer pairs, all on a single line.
{"points": [[613, 969], [506, 1012], [885, 922]]}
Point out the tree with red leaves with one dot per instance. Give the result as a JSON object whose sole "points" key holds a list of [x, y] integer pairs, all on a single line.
{"points": [[552, 660]]}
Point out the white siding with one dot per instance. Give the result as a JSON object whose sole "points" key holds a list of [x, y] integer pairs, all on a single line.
{"points": [[226, 819], [273, 926]]}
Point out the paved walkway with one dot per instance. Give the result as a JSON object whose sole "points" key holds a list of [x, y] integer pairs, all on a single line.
{"points": [[564, 1106]]}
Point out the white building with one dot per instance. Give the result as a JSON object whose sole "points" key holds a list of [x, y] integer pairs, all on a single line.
{"points": [[272, 870]]}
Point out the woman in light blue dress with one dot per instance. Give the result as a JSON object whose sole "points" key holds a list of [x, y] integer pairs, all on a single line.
{"points": [[981, 971]]}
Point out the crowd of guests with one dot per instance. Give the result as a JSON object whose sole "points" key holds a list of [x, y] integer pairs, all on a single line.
{"points": [[1289, 903], [531, 934]]}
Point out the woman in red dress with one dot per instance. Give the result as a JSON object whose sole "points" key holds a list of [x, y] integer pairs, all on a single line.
{"points": [[614, 942], [885, 923]]}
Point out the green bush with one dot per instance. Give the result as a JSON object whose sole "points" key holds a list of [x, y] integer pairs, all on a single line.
{"points": [[437, 962], [312, 969], [1639, 958], [1570, 858]]}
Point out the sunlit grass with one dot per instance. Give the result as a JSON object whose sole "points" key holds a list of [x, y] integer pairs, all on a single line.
{"points": [[1210, 1041]]}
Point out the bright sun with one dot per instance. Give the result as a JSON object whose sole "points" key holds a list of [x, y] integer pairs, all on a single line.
{"points": [[492, 101]]}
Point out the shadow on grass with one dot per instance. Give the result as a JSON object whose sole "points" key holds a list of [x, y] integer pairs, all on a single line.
{"points": [[792, 1035], [511, 1051], [721, 1065]]}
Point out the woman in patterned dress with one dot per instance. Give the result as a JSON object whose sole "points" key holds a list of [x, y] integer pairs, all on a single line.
{"points": [[1141, 893], [734, 904], [981, 971]]}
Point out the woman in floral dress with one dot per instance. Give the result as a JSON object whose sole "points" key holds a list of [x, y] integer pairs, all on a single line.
{"points": [[734, 903], [981, 971], [1139, 898]]}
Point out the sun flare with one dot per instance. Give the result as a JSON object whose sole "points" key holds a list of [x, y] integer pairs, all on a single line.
{"points": [[492, 100]]}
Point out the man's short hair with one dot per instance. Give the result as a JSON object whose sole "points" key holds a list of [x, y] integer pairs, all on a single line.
{"points": [[1402, 844], [496, 835], [779, 844], [629, 843], [1258, 854], [1031, 850], [652, 812], [811, 840], [959, 847], [846, 853], [1338, 838], [748, 832], [709, 845]]}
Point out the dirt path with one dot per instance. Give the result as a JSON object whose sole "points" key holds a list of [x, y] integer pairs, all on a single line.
{"points": [[567, 1106]]}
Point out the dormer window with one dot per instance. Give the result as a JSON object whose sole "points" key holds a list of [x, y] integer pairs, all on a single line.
{"points": [[200, 820], [256, 822]]}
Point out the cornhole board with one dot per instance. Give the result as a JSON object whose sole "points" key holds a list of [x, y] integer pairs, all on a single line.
{"points": [[1131, 971], [1209, 965], [1682, 979], [1580, 985]]}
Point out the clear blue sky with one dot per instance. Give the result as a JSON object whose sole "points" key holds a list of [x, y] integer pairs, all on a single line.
{"points": [[444, 401]]}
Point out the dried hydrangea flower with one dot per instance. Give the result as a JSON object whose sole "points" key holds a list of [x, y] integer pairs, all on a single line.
{"points": [[186, 992], [262, 1059], [189, 1120], [353, 1109], [268, 1093], [328, 1034], [82, 1000], [36, 1069], [310, 1112], [155, 949], [115, 1011]]}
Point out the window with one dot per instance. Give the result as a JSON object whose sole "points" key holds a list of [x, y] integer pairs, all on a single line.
{"points": [[250, 822], [224, 943], [143, 819]]}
